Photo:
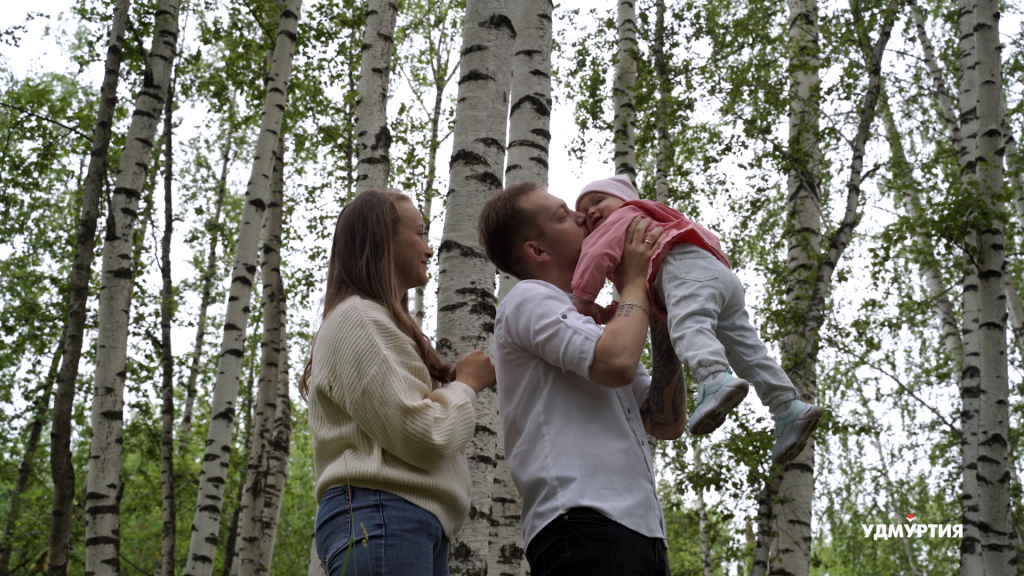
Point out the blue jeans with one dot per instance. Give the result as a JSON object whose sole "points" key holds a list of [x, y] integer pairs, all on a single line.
{"points": [[380, 534], [709, 326]]}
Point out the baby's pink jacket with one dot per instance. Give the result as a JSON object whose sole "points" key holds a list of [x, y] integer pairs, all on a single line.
{"points": [[602, 249]]}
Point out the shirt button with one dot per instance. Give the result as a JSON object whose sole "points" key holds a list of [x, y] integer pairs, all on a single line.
{"points": [[458, 526], [564, 317]]}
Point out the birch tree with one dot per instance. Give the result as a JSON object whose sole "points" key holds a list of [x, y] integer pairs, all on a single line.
{"points": [[280, 441], [253, 494], [218, 444], [373, 139], [624, 123], [465, 318], [971, 554], [104, 478], [61, 469], [167, 358], [993, 463], [811, 271], [664, 96], [529, 132]]}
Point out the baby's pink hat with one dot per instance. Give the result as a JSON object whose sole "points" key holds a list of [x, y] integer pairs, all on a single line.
{"points": [[619, 186]]}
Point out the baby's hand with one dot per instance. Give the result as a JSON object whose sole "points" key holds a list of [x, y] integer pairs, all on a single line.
{"points": [[607, 312], [591, 309]]}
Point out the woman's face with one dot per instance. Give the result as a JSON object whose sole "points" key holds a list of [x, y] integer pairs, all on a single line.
{"points": [[411, 253]]}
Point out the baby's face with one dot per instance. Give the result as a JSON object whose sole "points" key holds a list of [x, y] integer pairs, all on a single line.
{"points": [[598, 206]]}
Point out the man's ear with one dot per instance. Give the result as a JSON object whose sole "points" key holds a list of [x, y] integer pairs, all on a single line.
{"points": [[536, 251]]}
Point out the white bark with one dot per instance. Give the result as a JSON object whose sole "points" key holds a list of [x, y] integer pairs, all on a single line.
{"points": [[790, 539], [529, 125], [800, 348], [664, 94], [250, 539], [104, 476], [624, 122], [702, 517], [315, 567], [208, 279], [218, 445], [280, 447], [942, 95], [62, 470], [465, 317], [993, 461], [373, 139], [971, 556], [505, 550]]}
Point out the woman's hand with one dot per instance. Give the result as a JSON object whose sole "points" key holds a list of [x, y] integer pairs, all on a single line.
{"points": [[638, 249], [474, 370]]}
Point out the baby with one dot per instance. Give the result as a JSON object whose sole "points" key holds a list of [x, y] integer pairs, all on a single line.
{"points": [[693, 289]]}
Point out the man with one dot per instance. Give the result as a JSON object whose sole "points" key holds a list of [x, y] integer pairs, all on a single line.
{"points": [[575, 402]]}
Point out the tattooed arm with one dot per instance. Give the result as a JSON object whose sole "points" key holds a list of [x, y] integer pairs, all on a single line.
{"points": [[664, 412]]}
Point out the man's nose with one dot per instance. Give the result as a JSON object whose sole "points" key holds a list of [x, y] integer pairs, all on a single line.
{"points": [[581, 218]]}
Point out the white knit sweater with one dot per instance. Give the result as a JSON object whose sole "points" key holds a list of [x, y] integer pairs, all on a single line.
{"points": [[377, 423]]}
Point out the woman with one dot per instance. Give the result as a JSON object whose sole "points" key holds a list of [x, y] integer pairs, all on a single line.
{"points": [[390, 419]]}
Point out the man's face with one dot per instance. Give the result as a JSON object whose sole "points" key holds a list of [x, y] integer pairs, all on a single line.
{"points": [[562, 229]]}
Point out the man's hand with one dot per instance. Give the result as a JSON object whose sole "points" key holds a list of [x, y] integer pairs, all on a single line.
{"points": [[637, 250], [618, 351], [664, 412]]}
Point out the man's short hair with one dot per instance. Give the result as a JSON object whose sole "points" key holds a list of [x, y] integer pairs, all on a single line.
{"points": [[504, 225]]}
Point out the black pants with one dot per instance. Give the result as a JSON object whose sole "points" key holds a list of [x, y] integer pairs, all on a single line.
{"points": [[584, 542]]}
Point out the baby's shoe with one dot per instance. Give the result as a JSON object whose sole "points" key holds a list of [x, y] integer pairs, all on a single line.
{"points": [[715, 400], [793, 428]]}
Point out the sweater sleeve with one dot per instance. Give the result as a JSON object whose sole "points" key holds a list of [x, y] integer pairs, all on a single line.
{"points": [[602, 251], [381, 382]]}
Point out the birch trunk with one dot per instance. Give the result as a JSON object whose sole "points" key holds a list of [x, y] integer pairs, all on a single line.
{"points": [[61, 468], [373, 139], [664, 108], [790, 539], [232, 546], [800, 348], [315, 567], [529, 123], [280, 445], [209, 274], [993, 460], [766, 527], [971, 554], [218, 444], [702, 517], [465, 316], [166, 357], [28, 459], [624, 122], [104, 477], [253, 494], [942, 94]]}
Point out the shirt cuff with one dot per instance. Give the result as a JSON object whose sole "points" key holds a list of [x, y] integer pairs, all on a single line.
{"points": [[588, 296]]}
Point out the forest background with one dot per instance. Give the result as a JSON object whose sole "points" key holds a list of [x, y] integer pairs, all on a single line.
{"points": [[711, 119]]}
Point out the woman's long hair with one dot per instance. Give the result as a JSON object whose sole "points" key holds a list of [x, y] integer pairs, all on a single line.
{"points": [[362, 264]]}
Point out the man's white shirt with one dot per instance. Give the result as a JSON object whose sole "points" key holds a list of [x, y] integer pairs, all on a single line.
{"points": [[569, 442]]}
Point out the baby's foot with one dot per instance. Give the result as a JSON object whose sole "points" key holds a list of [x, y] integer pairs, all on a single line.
{"points": [[793, 428], [715, 400]]}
